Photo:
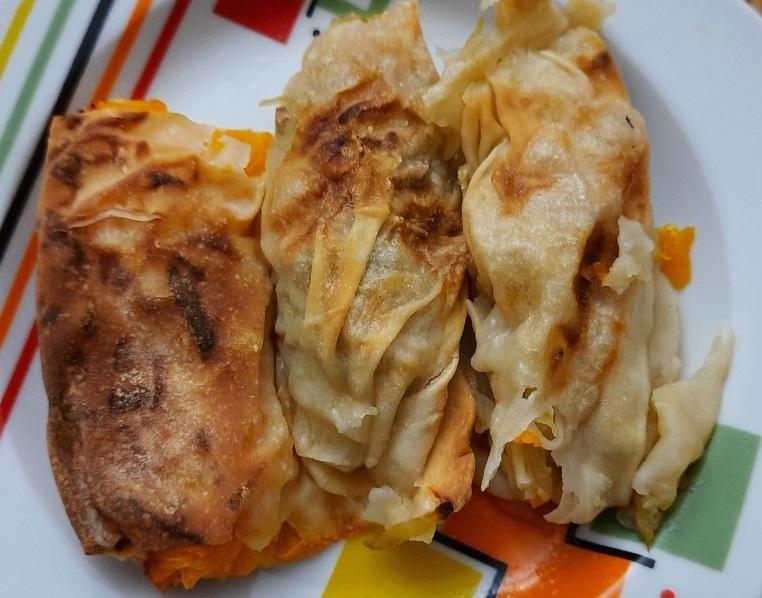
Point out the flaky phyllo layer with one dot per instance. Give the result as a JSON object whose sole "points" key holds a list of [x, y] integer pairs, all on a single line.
{"points": [[576, 330], [361, 223]]}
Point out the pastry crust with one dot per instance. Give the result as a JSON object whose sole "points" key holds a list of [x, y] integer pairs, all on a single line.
{"points": [[158, 430], [361, 223]]}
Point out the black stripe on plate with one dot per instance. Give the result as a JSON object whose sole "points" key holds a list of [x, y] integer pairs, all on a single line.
{"points": [[499, 566], [571, 538], [311, 7], [73, 77]]}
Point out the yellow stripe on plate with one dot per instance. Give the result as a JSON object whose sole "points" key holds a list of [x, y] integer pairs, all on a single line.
{"points": [[14, 32], [410, 570]]}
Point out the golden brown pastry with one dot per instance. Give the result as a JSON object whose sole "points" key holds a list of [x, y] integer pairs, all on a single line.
{"points": [[361, 223], [576, 331], [152, 300]]}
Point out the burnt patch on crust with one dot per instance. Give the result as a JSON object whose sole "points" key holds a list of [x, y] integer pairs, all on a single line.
{"points": [[50, 316], [601, 62], [122, 545], [322, 125], [183, 279], [145, 520], [561, 343], [516, 185], [89, 321], [445, 509], [601, 250], [124, 360], [636, 203], [235, 500], [56, 236], [137, 389], [216, 241], [72, 121], [125, 121], [142, 149], [131, 398], [68, 170], [389, 142], [111, 271], [202, 440], [338, 156], [358, 109], [96, 149], [70, 159], [157, 178], [180, 175]]}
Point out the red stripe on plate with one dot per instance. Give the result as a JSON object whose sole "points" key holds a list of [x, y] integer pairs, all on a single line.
{"points": [[274, 19], [160, 49], [17, 378]]}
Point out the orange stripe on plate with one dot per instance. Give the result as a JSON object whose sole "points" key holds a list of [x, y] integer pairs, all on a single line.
{"points": [[122, 51], [17, 378], [18, 286], [540, 563], [160, 49]]}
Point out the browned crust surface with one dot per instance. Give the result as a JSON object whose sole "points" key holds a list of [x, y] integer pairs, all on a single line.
{"points": [[152, 380]]}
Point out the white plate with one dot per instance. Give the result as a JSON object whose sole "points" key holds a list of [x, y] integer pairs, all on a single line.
{"points": [[694, 69]]}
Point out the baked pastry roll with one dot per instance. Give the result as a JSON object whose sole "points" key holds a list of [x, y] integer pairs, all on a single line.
{"points": [[152, 302], [361, 224], [576, 331]]}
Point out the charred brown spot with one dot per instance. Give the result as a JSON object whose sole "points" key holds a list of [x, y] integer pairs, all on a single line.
{"points": [[203, 441], [183, 279], [445, 509], [111, 271], [337, 156], [560, 344], [359, 109], [135, 392], [142, 149], [89, 321], [57, 235], [516, 185], [172, 528], [68, 170], [322, 125], [158, 179], [636, 204], [217, 242], [124, 122], [180, 175], [235, 500], [601, 250], [122, 544], [96, 149], [50, 316], [73, 121], [76, 359], [131, 398], [124, 360], [601, 62]]}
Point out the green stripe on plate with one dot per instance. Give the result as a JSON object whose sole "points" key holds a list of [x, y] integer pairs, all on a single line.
{"points": [[701, 523], [343, 7], [13, 32], [24, 98]]}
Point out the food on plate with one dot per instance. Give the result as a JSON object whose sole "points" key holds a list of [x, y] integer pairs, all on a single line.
{"points": [[254, 350], [162, 429], [576, 330], [167, 439], [361, 223]]}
